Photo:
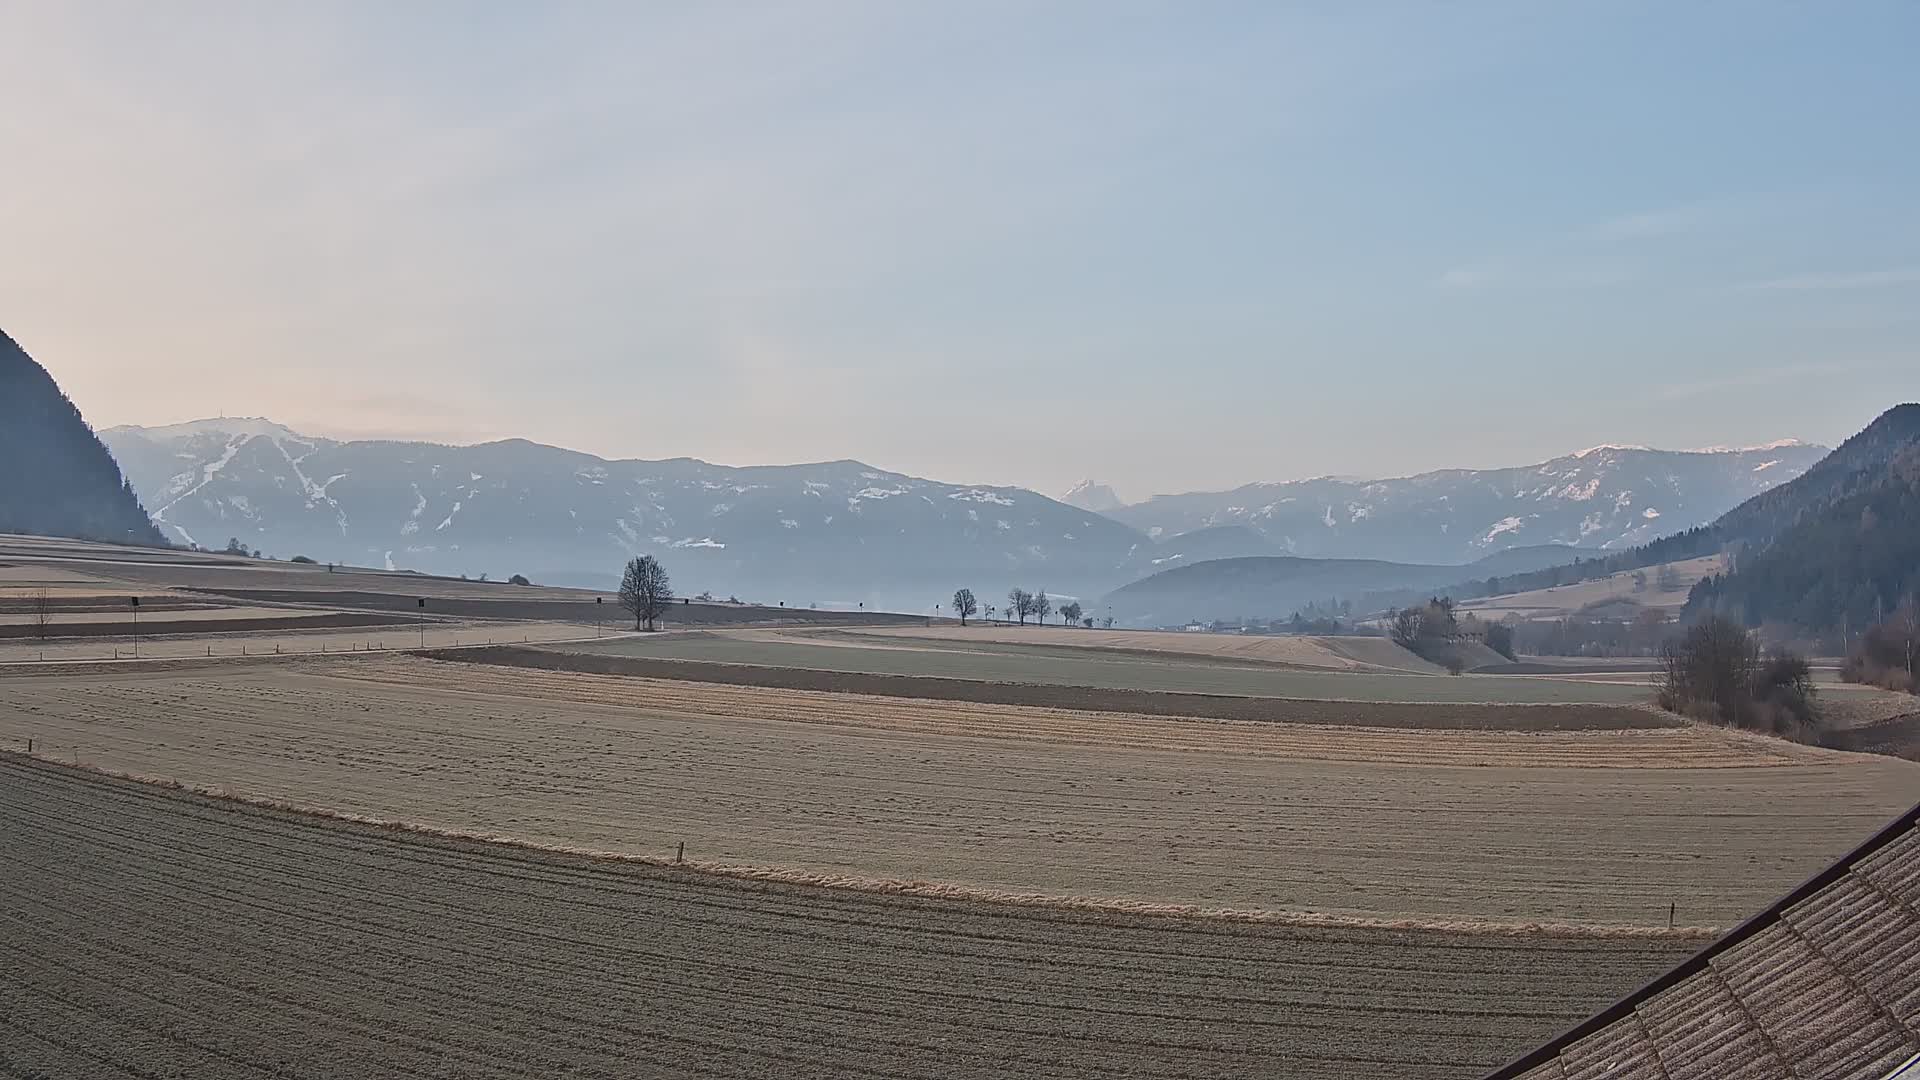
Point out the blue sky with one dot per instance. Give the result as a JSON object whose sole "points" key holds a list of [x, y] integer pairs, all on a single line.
{"points": [[1168, 246]]}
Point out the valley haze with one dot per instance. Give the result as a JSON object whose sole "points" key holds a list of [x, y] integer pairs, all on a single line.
{"points": [[845, 533]]}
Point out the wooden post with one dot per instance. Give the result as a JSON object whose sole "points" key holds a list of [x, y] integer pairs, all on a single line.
{"points": [[29, 747], [680, 856], [1671, 908]]}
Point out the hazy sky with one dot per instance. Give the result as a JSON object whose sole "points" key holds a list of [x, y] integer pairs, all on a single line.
{"points": [[1169, 246]]}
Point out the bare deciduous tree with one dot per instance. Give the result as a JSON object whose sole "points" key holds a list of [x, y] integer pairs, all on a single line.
{"points": [[1042, 607], [1019, 604], [1070, 613], [42, 610], [1405, 627], [964, 605], [645, 591]]}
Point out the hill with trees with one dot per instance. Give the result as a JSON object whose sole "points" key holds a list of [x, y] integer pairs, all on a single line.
{"points": [[59, 479], [1780, 571], [1836, 550], [1274, 585]]}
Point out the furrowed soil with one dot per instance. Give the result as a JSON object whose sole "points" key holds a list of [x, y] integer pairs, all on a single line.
{"points": [[221, 639], [148, 932], [1588, 827], [1039, 664]]}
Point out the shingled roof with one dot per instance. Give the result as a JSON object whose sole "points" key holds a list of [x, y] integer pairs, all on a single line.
{"points": [[1824, 984]]}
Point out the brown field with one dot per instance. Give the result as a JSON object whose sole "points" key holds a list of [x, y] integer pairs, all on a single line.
{"points": [[1051, 853], [323, 633], [149, 932], [1598, 827]]}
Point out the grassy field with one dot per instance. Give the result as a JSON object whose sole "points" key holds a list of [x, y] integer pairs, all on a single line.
{"points": [[1583, 827], [1328, 653], [1424, 715], [149, 932], [1067, 665], [1563, 600]]}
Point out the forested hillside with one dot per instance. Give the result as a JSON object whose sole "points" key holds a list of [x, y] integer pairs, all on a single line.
{"points": [[1825, 502], [56, 479], [1838, 565]]}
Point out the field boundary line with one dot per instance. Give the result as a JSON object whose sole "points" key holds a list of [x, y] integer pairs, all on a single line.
{"points": [[1428, 716], [928, 890]]}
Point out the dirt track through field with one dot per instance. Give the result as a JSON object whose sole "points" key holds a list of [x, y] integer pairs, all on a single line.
{"points": [[146, 932], [1581, 827]]}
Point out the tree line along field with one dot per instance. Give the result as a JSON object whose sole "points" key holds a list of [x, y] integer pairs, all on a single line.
{"points": [[153, 932], [1477, 826]]}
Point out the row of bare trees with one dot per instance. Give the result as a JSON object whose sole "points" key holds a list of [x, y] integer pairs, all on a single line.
{"points": [[1021, 605]]}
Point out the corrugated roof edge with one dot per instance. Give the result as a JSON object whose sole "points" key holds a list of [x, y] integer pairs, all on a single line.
{"points": [[1910, 1070], [1696, 963]]}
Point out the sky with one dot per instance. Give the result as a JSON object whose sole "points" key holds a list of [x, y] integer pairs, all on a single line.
{"points": [[1168, 246]]}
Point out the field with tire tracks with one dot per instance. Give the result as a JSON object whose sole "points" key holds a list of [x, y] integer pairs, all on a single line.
{"points": [[150, 932], [1588, 827]]}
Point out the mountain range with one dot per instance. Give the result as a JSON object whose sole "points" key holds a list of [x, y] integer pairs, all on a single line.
{"points": [[1607, 497], [845, 532], [58, 480], [835, 532]]}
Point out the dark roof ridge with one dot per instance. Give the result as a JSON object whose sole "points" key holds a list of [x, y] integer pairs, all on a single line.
{"points": [[1698, 962]]}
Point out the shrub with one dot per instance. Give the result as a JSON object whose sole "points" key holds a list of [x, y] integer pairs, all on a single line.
{"points": [[1500, 639], [1715, 672], [1887, 652]]}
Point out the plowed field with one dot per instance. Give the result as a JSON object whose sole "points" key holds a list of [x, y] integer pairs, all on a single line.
{"points": [[1504, 826], [150, 933]]}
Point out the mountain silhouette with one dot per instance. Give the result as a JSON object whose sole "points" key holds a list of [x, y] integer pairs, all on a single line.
{"points": [[56, 477]]}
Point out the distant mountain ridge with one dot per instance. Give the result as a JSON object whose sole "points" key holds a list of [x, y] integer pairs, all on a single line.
{"points": [[1605, 497], [59, 479], [831, 532]]}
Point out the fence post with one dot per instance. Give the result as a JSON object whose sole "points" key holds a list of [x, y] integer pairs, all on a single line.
{"points": [[680, 855], [1671, 909]]}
